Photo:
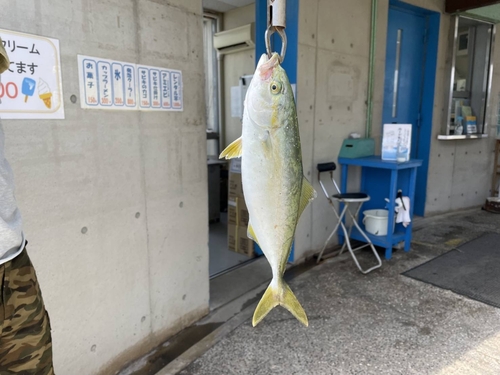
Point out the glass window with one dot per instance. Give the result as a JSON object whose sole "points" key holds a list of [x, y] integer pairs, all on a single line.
{"points": [[470, 77], [211, 85], [210, 58]]}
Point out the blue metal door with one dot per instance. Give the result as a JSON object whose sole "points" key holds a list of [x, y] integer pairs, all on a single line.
{"points": [[404, 86]]}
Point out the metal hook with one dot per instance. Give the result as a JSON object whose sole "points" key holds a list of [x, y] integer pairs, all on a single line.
{"points": [[281, 31]]}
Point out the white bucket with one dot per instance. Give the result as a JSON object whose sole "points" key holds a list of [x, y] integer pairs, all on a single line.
{"points": [[375, 222]]}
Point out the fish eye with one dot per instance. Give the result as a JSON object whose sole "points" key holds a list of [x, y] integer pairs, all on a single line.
{"points": [[275, 87]]}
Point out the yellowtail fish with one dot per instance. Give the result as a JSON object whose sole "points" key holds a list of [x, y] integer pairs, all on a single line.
{"points": [[275, 189]]}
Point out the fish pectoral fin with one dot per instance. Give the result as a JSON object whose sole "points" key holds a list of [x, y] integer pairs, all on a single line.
{"points": [[234, 150], [307, 195], [251, 233], [279, 294]]}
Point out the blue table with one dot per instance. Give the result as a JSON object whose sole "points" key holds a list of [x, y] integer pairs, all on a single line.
{"points": [[381, 179]]}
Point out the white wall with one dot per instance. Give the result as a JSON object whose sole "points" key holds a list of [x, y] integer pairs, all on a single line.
{"points": [[235, 65], [136, 181]]}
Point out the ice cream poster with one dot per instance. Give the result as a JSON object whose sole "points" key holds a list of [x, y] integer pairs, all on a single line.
{"points": [[110, 84], [32, 87]]}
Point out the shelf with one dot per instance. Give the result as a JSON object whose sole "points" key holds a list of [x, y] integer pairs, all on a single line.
{"points": [[216, 161], [381, 241], [457, 137], [212, 135]]}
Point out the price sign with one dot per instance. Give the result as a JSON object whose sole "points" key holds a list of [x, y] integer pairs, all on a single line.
{"points": [[109, 84], [31, 88]]}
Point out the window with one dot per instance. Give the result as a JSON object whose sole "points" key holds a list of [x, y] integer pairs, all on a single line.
{"points": [[211, 84], [470, 78]]}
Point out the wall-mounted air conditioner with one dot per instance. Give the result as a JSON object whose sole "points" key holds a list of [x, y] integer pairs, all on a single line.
{"points": [[235, 40]]}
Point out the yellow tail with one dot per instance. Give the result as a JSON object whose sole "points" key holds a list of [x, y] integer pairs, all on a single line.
{"points": [[279, 293]]}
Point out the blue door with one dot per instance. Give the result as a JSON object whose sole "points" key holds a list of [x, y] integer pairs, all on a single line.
{"points": [[409, 73]]}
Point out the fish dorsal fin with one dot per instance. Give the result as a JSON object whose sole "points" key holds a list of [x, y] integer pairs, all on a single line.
{"points": [[307, 195], [233, 150], [251, 233]]}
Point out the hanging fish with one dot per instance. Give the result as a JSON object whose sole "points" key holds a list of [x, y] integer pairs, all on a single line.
{"points": [[275, 189]]}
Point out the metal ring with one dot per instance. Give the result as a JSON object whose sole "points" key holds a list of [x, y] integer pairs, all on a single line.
{"points": [[281, 31], [270, 31]]}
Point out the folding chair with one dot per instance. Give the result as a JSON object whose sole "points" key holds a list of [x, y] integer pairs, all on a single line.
{"points": [[346, 199]]}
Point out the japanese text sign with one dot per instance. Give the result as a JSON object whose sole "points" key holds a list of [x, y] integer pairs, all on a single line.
{"points": [[109, 84], [32, 87]]}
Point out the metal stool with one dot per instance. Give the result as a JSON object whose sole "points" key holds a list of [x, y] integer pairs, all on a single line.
{"points": [[346, 199]]}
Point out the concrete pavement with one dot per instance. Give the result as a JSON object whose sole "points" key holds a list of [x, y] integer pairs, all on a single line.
{"points": [[380, 323]]}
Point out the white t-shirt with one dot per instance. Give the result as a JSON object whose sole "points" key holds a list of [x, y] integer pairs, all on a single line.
{"points": [[11, 233]]}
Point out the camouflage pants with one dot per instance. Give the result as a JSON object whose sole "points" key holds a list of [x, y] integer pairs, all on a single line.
{"points": [[25, 341]]}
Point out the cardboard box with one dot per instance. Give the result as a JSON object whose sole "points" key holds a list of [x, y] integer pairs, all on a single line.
{"points": [[244, 216], [235, 166], [238, 241], [237, 212], [232, 213], [235, 186]]}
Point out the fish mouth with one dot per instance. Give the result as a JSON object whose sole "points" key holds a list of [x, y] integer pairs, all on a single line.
{"points": [[266, 66]]}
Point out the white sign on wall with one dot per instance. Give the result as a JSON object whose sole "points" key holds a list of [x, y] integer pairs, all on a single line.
{"points": [[109, 84], [177, 101], [32, 87]]}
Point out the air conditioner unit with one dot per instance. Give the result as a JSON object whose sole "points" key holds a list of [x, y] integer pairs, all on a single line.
{"points": [[235, 40]]}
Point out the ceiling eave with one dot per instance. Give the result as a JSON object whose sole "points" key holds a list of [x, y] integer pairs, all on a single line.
{"points": [[455, 6]]}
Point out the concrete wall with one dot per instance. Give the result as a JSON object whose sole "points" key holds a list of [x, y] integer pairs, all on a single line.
{"points": [[234, 66], [137, 181], [333, 65], [460, 171], [332, 80]]}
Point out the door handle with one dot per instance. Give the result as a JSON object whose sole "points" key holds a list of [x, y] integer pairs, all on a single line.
{"points": [[396, 74]]}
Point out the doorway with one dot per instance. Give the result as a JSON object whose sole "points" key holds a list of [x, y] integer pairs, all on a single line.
{"points": [[221, 258], [410, 73]]}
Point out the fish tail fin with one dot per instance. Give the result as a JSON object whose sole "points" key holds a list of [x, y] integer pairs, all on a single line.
{"points": [[279, 293]]}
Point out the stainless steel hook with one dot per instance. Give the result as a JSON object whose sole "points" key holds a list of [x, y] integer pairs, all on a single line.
{"points": [[281, 31], [276, 22]]}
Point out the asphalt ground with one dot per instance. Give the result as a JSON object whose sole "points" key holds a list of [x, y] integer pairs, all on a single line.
{"points": [[380, 323]]}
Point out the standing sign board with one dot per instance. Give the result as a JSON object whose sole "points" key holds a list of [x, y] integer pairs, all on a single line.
{"points": [[32, 87], [396, 142]]}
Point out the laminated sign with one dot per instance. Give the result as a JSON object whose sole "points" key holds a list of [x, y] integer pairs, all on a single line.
{"points": [[31, 88], [110, 84], [396, 142]]}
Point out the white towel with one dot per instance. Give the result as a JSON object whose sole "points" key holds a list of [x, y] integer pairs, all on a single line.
{"points": [[403, 210]]}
